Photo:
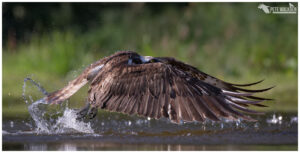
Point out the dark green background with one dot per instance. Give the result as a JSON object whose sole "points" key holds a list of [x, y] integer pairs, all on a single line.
{"points": [[236, 42]]}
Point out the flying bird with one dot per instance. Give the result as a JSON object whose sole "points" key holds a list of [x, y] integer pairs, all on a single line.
{"points": [[159, 87]]}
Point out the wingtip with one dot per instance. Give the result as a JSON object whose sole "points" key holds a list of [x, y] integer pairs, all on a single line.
{"points": [[254, 91], [248, 84], [260, 105], [259, 98]]}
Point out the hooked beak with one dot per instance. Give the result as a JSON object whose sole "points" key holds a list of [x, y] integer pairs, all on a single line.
{"points": [[148, 59]]}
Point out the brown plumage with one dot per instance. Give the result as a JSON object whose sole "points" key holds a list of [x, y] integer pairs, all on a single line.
{"points": [[159, 87]]}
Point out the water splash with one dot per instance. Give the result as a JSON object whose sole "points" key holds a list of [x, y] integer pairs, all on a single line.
{"points": [[275, 120], [69, 121], [62, 120], [34, 83], [37, 113]]}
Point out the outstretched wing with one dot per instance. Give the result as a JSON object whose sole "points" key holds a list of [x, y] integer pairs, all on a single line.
{"points": [[164, 90], [217, 82]]}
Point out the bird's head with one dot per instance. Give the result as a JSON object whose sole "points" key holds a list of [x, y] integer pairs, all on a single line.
{"points": [[117, 59]]}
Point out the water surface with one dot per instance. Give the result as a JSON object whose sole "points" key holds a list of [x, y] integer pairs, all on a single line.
{"points": [[114, 131]]}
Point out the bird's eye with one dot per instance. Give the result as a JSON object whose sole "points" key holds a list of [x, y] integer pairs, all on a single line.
{"points": [[136, 61], [153, 60]]}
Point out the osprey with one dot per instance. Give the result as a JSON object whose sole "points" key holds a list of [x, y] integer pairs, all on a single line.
{"points": [[158, 87]]}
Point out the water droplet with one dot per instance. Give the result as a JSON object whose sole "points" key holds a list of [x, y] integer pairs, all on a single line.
{"points": [[256, 125], [181, 122], [134, 133], [294, 119], [222, 125], [11, 124], [275, 120], [237, 123]]}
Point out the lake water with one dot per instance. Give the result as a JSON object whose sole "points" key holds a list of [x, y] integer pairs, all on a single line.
{"points": [[115, 131]]}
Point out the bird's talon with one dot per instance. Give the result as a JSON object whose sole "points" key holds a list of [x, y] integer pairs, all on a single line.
{"points": [[83, 112], [92, 112]]}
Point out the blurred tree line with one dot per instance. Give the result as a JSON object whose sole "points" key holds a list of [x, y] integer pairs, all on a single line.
{"points": [[21, 20]]}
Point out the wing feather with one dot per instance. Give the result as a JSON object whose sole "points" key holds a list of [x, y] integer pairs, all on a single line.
{"points": [[214, 107], [172, 90]]}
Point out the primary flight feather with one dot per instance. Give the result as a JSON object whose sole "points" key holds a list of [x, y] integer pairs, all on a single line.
{"points": [[159, 87]]}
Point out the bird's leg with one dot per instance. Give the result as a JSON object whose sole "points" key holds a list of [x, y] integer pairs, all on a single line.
{"points": [[92, 112], [83, 111]]}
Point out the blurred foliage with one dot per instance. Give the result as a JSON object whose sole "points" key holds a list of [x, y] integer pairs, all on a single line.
{"points": [[237, 42]]}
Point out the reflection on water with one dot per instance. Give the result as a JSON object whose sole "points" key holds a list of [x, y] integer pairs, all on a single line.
{"points": [[145, 147]]}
